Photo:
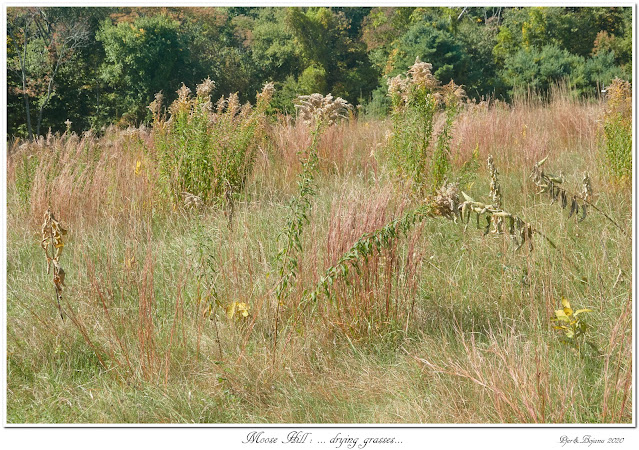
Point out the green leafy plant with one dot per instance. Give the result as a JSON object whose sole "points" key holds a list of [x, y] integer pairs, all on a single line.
{"points": [[441, 156], [299, 210], [618, 129], [416, 99], [317, 111], [571, 323], [205, 151]]}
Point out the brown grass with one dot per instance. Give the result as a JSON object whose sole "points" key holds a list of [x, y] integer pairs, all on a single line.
{"points": [[524, 133]]}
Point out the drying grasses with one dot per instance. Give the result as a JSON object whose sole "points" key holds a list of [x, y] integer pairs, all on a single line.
{"points": [[521, 134], [395, 313]]}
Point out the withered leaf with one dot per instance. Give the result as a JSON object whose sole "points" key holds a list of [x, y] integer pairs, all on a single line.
{"points": [[583, 213], [573, 207]]}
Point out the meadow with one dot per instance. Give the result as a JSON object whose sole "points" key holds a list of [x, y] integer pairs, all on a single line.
{"points": [[224, 265]]}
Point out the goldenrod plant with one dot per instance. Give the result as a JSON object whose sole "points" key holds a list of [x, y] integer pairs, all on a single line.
{"points": [[618, 129], [416, 98], [208, 151]]}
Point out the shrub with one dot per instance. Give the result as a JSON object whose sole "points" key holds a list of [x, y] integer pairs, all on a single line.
{"points": [[140, 58], [539, 69]]}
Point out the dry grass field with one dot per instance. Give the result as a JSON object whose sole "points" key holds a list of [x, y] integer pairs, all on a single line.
{"points": [[175, 310]]}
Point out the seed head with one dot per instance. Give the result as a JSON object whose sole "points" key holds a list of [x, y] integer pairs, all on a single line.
{"points": [[453, 93], [204, 90], [267, 92], [398, 86], [316, 107], [183, 93], [156, 105], [421, 74], [446, 201], [233, 104]]}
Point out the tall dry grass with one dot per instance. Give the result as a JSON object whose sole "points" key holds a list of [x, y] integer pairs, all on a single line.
{"points": [[444, 325], [89, 177], [344, 149], [86, 179], [527, 131]]}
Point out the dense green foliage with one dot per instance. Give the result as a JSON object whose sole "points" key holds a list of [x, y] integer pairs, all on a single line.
{"points": [[97, 66], [133, 54]]}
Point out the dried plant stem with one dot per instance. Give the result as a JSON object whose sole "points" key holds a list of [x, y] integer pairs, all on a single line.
{"points": [[52, 245], [605, 215], [217, 334], [549, 183]]}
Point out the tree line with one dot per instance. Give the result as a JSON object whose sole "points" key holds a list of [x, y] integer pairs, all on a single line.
{"points": [[86, 68]]}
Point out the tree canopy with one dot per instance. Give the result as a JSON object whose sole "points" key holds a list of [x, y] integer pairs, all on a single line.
{"points": [[99, 66]]}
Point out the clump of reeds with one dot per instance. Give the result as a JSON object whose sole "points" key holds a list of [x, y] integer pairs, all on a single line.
{"points": [[373, 289]]}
